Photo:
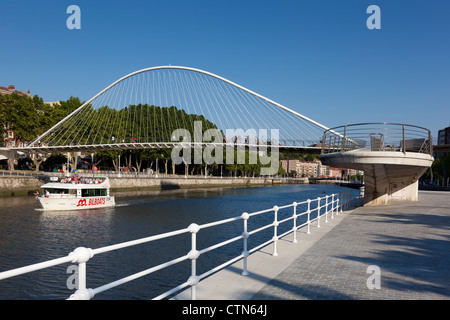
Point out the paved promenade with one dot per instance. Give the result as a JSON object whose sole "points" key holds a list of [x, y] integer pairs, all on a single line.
{"points": [[408, 242]]}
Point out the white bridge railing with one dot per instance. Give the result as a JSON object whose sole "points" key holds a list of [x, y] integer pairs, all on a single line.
{"points": [[316, 210]]}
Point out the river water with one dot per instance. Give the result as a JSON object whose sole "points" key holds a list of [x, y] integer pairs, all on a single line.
{"points": [[29, 236]]}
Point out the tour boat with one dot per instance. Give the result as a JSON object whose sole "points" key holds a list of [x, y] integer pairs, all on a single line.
{"points": [[75, 193]]}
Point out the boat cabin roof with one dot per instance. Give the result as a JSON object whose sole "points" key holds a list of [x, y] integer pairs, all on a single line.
{"points": [[78, 184], [57, 185]]}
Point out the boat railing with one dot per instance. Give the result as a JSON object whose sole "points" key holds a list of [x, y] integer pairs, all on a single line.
{"points": [[315, 211], [83, 180]]}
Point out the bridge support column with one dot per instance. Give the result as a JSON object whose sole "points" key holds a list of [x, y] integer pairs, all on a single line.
{"points": [[380, 187], [387, 175], [10, 155]]}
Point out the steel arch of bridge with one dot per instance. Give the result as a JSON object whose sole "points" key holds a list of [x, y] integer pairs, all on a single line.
{"points": [[36, 147]]}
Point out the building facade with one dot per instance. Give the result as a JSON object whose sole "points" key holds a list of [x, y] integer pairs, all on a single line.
{"points": [[315, 169], [289, 166], [12, 89], [443, 139], [309, 168]]}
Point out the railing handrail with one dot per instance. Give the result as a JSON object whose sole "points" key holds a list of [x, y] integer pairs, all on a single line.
{"points": [[394, 137], [333, 204], [376, 123]]}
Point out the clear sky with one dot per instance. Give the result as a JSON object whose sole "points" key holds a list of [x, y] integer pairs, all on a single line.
{"points": [[315, 57]]}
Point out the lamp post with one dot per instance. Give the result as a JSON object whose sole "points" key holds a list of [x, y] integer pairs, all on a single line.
{"points": [[68, 171]]}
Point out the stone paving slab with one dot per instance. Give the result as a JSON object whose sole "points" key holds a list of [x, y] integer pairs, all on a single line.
{"points": [[408, 241]]}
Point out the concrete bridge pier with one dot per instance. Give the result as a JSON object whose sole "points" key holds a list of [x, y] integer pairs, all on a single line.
{"points": [[9, 155], [388, 175]]}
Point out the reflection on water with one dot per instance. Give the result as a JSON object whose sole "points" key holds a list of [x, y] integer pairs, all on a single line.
{"points": [[28, 236]]}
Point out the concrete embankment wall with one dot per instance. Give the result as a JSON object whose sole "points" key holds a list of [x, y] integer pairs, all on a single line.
{"points": [[27, 185], [18, 185], [175, 183]]}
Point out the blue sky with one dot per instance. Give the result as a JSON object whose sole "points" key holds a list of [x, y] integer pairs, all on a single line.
{"points": [[315, 57]]}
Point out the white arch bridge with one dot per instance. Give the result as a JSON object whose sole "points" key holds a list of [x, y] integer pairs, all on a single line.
{"points": [[145, 108]]}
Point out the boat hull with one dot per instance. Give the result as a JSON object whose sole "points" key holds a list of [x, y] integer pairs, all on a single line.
{"points": [[55, 203]]}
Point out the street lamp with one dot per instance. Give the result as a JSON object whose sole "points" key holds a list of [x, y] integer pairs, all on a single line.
{"points": [[119, 165]]}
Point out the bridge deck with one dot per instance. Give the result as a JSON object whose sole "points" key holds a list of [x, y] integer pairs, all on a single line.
{"points": [[153, 145]]}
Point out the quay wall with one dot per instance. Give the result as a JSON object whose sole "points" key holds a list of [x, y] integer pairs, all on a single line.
{"points": [[20, 185]]}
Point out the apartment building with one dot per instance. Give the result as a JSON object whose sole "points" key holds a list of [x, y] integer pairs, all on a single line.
{"points": [[315, 169]]}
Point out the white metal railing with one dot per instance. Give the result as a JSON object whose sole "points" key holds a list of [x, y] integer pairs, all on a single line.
{"points": [[24, 173], [316, 209], [378, 137]]}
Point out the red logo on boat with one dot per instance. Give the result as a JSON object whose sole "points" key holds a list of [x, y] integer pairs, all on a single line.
{"points": [[82, 203], [92, 202]]}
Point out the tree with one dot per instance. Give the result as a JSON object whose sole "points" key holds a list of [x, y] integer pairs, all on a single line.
{"points": [[440, 169], [21, 114], [53, 160], [110, 155]]}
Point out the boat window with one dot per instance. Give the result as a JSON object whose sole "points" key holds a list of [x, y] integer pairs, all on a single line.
{"points": [[58, 191], [93, 192]]}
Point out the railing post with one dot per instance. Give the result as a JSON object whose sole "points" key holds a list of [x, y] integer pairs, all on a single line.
{"points": [[323, 142], [294, 228], [318, 212], [326, 208], [332, 206], [337, 204], [344, 201], [275, 237], [245, 236], [347, 199], [309, 214], [431, 142], [81, 255], [403, 131], [193, 255], [343, 140]]}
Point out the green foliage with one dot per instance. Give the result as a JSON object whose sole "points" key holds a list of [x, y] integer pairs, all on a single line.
{"points": [[248, 168], [440, 169], [132, 124], [299, 156], [30, 116], [21, 114], [144, 123]]}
